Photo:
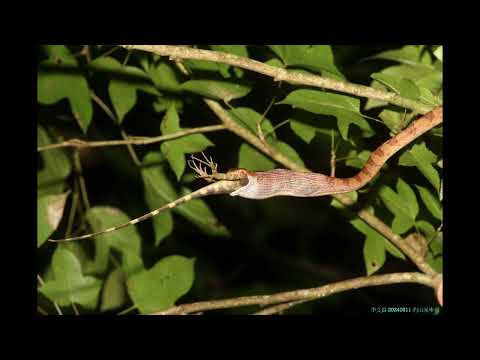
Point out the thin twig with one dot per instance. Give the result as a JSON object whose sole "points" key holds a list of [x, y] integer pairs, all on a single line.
{"points": [[280, 74], [77, 164], [131, 151], [73, 209], [75, 309], [133, 140], [304, 294], [40, 280], [104, 107]]}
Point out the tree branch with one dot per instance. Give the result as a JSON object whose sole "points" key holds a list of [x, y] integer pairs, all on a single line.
{"points": [[78, 143], [303, 294], [279, 308], [279, 74]]}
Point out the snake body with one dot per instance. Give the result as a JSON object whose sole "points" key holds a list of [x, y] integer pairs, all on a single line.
{"points": [[278, 182]]}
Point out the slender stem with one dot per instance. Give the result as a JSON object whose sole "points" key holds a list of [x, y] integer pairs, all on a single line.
{"points": [[40, 280], [304, 294], [133, 140], [280, 74], [131, 151], [73, 210], [131, 308], [83, 188], [75, 309], [104, 107], [40, 310]]}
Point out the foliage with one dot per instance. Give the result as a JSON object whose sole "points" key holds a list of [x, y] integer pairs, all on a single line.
{"points": [[93, 93]]}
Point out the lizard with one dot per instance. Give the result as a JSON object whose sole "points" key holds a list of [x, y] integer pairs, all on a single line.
{"points": [[282, 182], [222, 183]]}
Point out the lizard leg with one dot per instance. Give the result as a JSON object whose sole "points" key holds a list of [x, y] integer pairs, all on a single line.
{"points": [[202, 171]]}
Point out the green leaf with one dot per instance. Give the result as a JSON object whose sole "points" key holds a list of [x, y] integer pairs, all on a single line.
{"points": [[191, 143], [353, 195], [435, 245], [163, 222], [125, 240], [317, 101], [171, 122], [431, 202], [175, 157], [392, 250], [304, 131], [410, 55], [425, 76], [56, 167], [49, 213], [373, 254], [403, 206], [357, 159], [318, 58], [204, 65], [427, 97], [250, 158], [403, 87], [195, 211], [128, 75], [408, 196], [422, 158], [60, 77], [345, 108], [161, 286], [432, 81], [165, 77], [239, 50], [373, 248], [275, 62], [114, 294], [426, 229], [436, 263], [287, 150], [123, 98], [58, 52], [164, 102], [69, 285], [439, 53], [249, 118], [219, 90], [175, 150], [307, 125], [125, 81]]}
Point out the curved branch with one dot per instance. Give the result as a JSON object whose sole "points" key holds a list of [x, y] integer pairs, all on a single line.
{"points": [[279, 74], [303, 294]]}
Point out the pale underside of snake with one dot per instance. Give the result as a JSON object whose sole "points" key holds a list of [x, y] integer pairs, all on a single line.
{"points": [[283, 182]]}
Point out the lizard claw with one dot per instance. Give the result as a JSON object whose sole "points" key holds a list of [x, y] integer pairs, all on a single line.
{"points": [[201, 172]]}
